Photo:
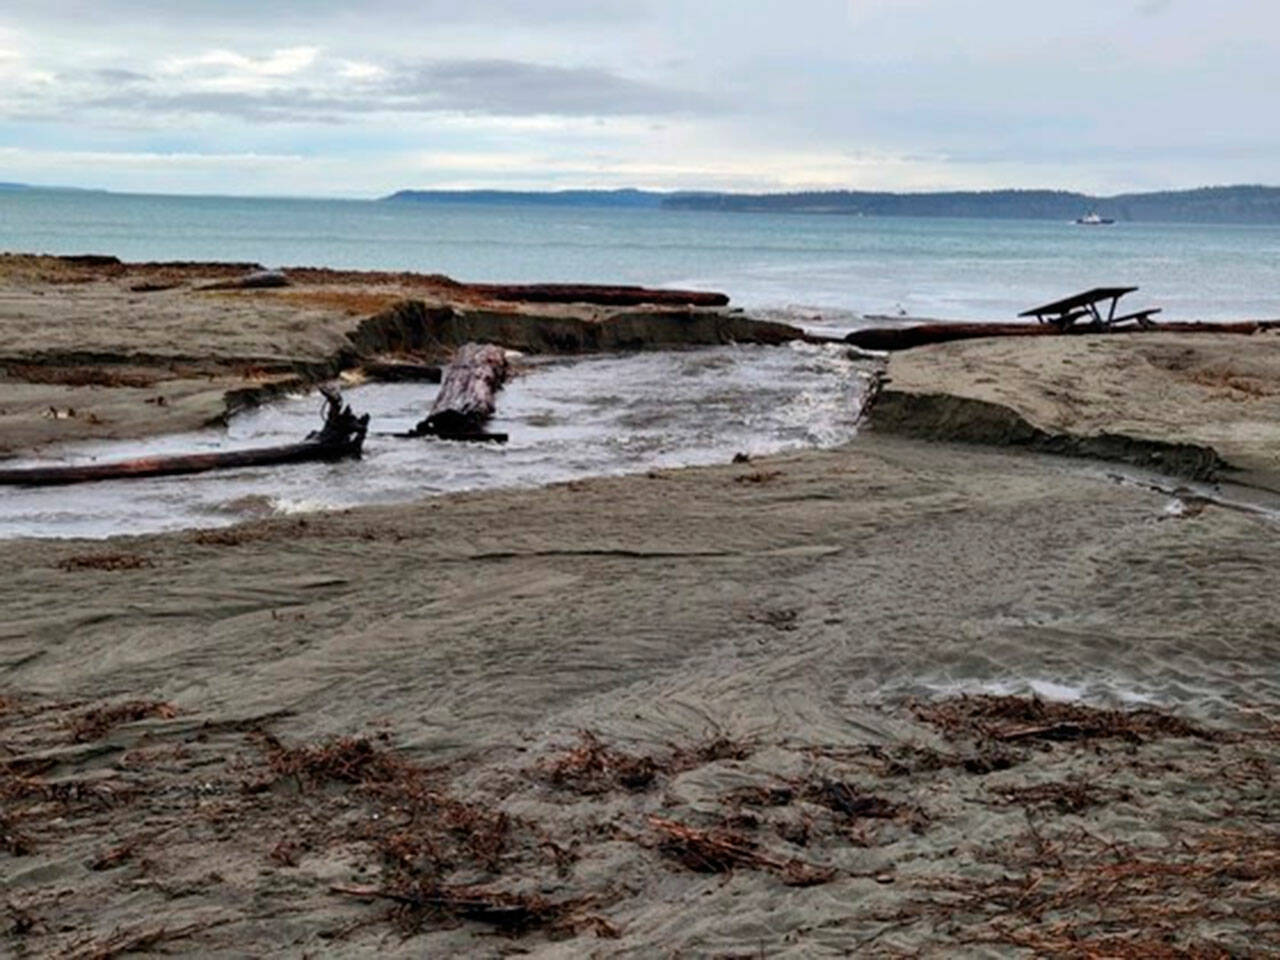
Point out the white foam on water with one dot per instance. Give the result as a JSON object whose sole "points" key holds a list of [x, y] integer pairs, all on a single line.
{"points": [[1095, 689], [286, 506]]}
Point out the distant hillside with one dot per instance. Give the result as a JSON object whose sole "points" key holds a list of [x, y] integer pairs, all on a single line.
{"points": [[558, 198], [14, 186], [1243, 204]]}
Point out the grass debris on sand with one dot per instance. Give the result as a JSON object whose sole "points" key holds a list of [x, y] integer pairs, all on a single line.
{"points": [[435, 851]]}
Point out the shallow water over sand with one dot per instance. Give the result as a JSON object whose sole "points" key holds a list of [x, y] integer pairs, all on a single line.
{"points": [[567, 419]]}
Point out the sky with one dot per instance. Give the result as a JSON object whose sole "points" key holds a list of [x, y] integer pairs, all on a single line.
{"points": [[343, 99]]}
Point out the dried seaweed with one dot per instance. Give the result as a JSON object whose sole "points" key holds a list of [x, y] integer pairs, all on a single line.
{"points": [[97, 723], [122, 853], [719, 851], [352, 760], [591, 768], [12, 840], [1011, 719], [849, 801], [1066, 797], [134, 941], [104, 561], [1078, 895], [513, 913], [772, 796]]}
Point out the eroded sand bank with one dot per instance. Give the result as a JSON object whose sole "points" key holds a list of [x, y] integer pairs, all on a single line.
{"points": [[765, 657], [94, 350], [1197, 405]]}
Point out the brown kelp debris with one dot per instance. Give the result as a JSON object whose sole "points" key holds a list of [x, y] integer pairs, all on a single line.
{"points": [[771, 796], [102, 793], [779, 618], [422, 833], [1078, 895], [21, 920], [719, 851], [592, 767], [345, 760], [113, 857], [286, 853], [908, 759], [1011, 719], [28, 802], [513, 913], [1067, 796], [849, 806], [138, 940], [850, 801], [838, 796], [438, 833], [232, 536], [710, 751], [12, 840], [104, 561], [1161, 945], [97, 723]]}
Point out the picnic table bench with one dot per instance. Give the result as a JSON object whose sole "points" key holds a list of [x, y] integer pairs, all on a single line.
{"points": [[1088, 306]]}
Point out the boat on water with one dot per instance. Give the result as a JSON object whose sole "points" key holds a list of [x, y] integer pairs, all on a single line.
{"points": [[1092, 219]]}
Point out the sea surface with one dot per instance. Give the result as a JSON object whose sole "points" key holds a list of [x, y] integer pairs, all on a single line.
{"points": [[819, 270]]}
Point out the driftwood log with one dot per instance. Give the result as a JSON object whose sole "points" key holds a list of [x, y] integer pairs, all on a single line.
{"points": [[919, 335], [612, 296], [341, 436], [467, 396], [388, 371]]}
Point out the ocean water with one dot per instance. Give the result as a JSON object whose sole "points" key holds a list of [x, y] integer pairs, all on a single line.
{"points": [[818, 270]]}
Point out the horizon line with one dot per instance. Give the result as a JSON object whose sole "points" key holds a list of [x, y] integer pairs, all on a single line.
{"points": [[19, 186]]}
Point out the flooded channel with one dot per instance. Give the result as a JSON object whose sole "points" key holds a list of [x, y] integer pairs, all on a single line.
{"points": [[567, 419]]}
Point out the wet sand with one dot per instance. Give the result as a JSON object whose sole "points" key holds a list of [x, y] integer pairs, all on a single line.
{"points": [[768, 656]]}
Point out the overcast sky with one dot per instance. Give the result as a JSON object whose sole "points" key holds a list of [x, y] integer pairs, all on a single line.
{"points": [[357, 99]]}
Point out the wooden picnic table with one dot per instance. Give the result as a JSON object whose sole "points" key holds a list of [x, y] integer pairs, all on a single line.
{"points": [[1088, 306]]}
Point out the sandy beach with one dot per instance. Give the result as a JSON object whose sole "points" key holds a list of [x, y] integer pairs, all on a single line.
{"points": [[999, 677]]}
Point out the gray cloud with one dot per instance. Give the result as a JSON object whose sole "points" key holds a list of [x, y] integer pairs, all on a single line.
{"points": [[248, 13], [116, 75], [513, 88], [490, 87]]}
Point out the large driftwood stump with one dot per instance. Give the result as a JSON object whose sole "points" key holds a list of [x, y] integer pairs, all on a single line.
{"points": [[467, 394]]}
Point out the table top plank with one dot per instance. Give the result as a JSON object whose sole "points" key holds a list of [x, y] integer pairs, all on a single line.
{"points": [[1078, 300]]}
